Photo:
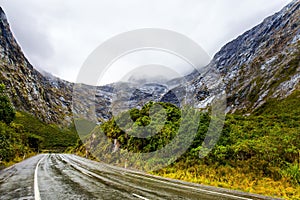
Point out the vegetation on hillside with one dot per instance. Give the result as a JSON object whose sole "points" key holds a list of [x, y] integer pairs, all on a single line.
{"points": [[135, 137], [7, 112], [258, 153], [23, 135]]}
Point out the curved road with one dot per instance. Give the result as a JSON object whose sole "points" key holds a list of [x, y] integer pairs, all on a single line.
{"points": [[64, 176]]}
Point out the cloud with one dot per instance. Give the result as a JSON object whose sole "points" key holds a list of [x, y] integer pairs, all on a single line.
{"points": [[57, 36]]}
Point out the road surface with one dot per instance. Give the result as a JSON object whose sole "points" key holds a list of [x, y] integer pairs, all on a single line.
{"points": [[64, 176]]}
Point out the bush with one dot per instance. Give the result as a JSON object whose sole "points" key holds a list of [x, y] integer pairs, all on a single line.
{"points": [[7, 112]]}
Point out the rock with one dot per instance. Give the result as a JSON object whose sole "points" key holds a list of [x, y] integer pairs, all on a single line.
{"points": [[261, 64]]}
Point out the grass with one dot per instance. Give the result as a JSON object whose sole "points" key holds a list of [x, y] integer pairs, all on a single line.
{"points": [[26, 136], [53, 137], [233, 178]]}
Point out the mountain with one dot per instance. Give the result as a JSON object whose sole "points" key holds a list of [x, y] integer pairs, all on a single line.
{"points": [[259, 65], [46, 97], [262, 63]]}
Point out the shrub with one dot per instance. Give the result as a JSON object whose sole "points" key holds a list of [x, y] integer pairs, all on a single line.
{"points": [[7, 112]]}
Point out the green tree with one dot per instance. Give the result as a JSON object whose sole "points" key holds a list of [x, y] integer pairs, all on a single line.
{"points": [[7, 112]]}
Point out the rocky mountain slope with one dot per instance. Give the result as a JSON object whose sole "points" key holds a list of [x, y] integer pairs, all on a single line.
{"points": [[261, 64], [46, 97]]}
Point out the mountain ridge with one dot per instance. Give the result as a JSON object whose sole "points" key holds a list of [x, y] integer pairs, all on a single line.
{"points": [[247, 65], [27, 88], [257, 55]]}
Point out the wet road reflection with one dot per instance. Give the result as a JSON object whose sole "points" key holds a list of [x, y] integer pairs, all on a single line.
{"points": [[64, 176]]}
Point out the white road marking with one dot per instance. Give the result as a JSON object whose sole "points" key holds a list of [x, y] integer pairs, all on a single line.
{"points": [[36, 185], [168, 183], [138, 196]]}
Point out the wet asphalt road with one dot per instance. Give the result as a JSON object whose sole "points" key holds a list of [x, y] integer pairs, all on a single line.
{"points": [[64, 176]]}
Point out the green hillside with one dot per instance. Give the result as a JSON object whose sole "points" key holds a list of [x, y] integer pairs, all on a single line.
{"points": [[26, 136], [258, 153], [23, 135]]}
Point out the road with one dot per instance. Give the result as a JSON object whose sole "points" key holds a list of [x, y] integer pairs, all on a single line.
{"points": [[64, 176]]}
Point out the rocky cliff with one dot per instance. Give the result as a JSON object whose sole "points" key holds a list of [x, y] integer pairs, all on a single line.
{"points": [[46, 97], [261, 64]]}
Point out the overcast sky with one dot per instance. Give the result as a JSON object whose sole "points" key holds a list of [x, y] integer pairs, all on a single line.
{"points": [[58, 35]]}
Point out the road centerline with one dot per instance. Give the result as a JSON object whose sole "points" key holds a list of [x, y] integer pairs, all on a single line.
{"points": [[37, 195], [138, 196]]}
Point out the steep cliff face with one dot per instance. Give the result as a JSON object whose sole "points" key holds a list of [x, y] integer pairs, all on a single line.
{"points": [[48, 98], [261, 64]]}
